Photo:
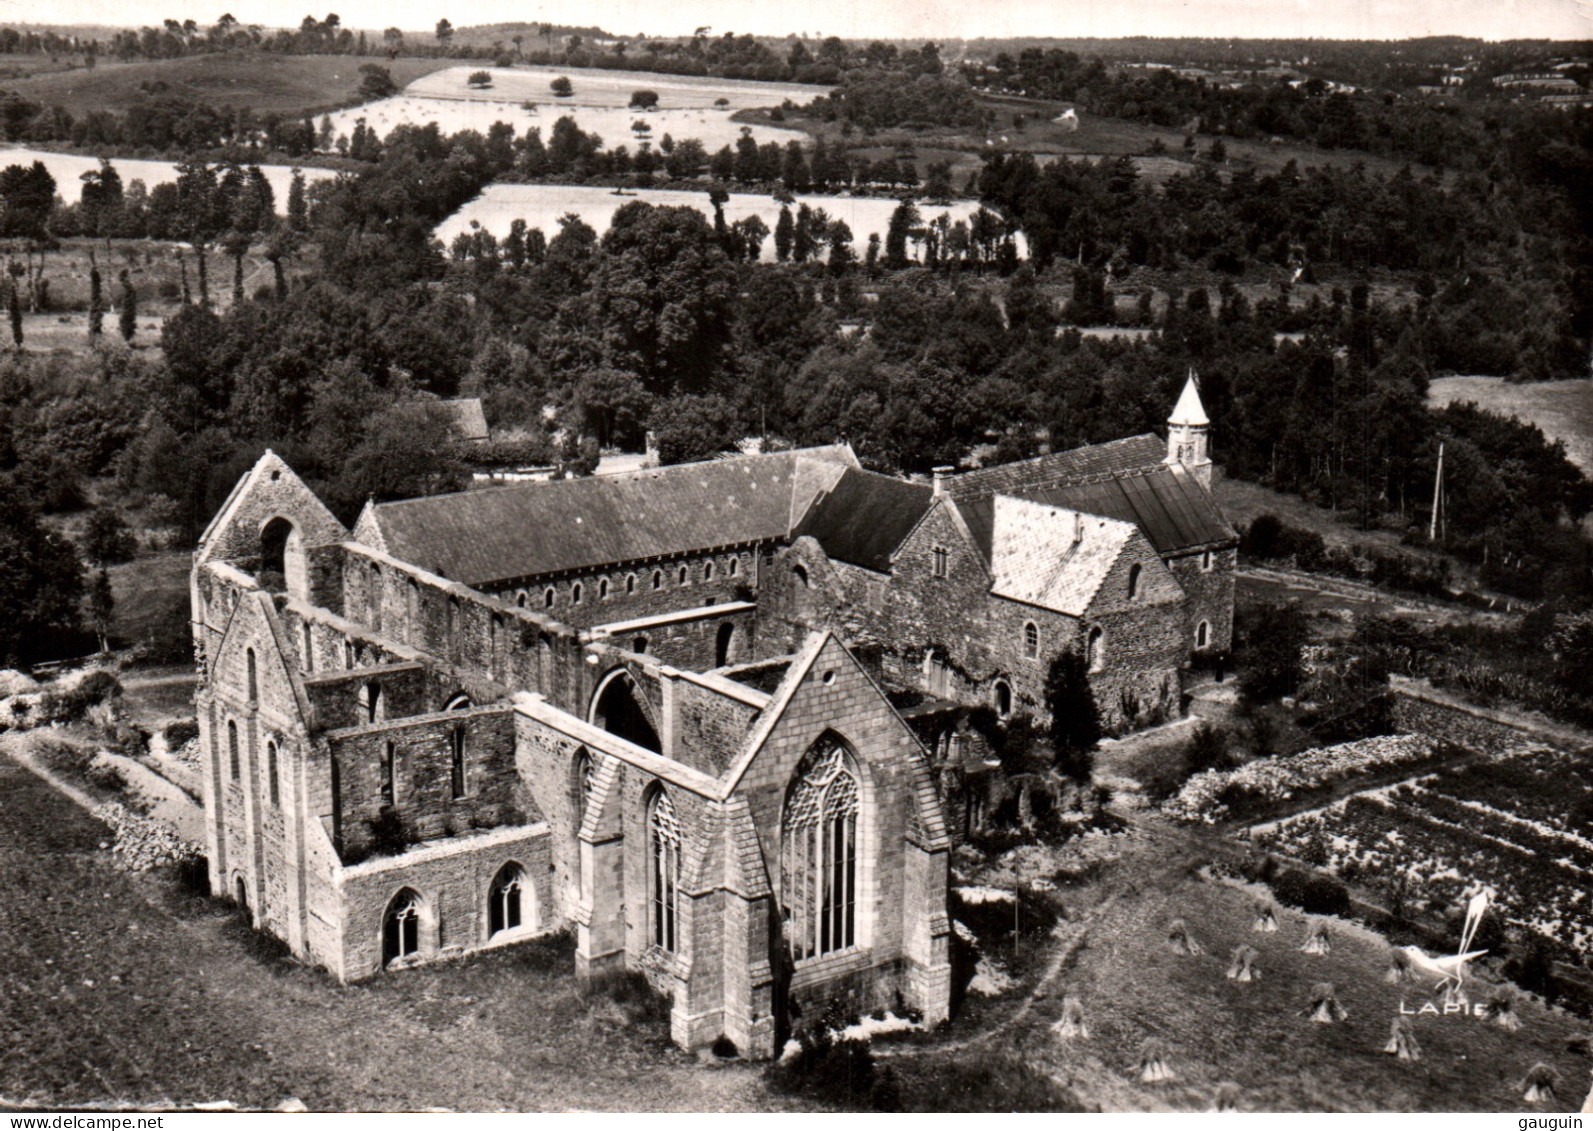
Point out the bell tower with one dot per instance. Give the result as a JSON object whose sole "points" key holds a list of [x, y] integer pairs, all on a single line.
{"points": [[1188, 433]]}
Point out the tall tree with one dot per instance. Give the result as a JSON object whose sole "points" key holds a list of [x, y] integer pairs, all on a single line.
{"points": [[41, 583], [96, 318], [1075, 718], [128, 318]]}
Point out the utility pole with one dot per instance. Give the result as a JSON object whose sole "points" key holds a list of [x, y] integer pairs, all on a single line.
{"points": [[1438, 496]]}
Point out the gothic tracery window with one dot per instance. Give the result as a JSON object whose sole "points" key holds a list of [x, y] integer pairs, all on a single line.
{"points": [[401, 927], [818, 853], [663, 838], [506, 901]]}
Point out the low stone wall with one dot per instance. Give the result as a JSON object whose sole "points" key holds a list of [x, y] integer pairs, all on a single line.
{"points": [[1422, 709]]}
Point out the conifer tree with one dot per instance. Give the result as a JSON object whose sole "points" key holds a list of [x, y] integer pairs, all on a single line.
{"points": [[129, 315], [14, 304], [96, 299]]}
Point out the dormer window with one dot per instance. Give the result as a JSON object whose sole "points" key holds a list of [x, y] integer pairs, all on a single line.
{"points": [[939, 561]]}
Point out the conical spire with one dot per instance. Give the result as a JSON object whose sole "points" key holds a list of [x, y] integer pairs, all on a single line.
{"points": [[1189, 412]]}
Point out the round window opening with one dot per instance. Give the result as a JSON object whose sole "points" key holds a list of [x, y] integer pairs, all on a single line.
{"points": [[828, 677]]}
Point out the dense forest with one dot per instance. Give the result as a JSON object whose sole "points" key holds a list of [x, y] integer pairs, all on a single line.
{"points": [[942, 342]]}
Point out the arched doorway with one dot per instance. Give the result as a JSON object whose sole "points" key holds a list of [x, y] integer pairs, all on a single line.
{"points": [[726, 645], [617, 709]]}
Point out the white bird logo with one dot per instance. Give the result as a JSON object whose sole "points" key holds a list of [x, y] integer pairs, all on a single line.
{"points": [[1451, 969]]}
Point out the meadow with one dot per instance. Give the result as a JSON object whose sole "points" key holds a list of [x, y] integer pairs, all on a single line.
{"points": [[714, 128], [68, 169], [599, 103], [1562, 409], [289, 85], [540, 206]]}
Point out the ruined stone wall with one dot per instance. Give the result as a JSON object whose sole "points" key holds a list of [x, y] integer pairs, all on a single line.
{"points": [[628, 592], [709, 728], [1422, 709], [545, 762], [695, 644], [837, 696], [422, 777], [453, 880]]}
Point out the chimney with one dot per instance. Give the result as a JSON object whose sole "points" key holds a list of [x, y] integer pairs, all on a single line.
{"points": [[1078, 527], [942, 474]]}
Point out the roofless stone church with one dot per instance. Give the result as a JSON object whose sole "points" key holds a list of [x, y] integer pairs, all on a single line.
{"points": [[709, 717]]}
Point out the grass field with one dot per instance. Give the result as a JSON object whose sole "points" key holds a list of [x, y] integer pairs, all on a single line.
{"points": [[1562, 409], [68, 170], [118, 989], [540, 206], [1134, 988], [267, 84], [714, 128]]}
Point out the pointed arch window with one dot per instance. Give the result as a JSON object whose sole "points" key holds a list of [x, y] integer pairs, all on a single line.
{"points": [[254, 676], [234, 761], [401, 927], [818, 853], [664, 841], [1095, 649], [389, 757], [585, 783], [271, 774], [456, 758], [506, 900]]}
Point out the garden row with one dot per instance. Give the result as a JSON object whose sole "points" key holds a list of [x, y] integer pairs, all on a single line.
{"points": [[1409, 848], [1548, 787]]}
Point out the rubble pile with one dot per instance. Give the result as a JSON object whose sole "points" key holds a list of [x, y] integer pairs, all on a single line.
{"points": [[143, 843]]}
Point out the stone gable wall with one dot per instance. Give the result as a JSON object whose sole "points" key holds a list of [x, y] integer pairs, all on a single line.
{"points": [[1210, 595], [1145, 643]]}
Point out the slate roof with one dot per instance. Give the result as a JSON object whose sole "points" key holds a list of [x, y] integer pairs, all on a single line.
{"points": [[502, 534], [865, 516], [1167, 503], [1097, 460], [1036, 559], [1124, 479]]}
